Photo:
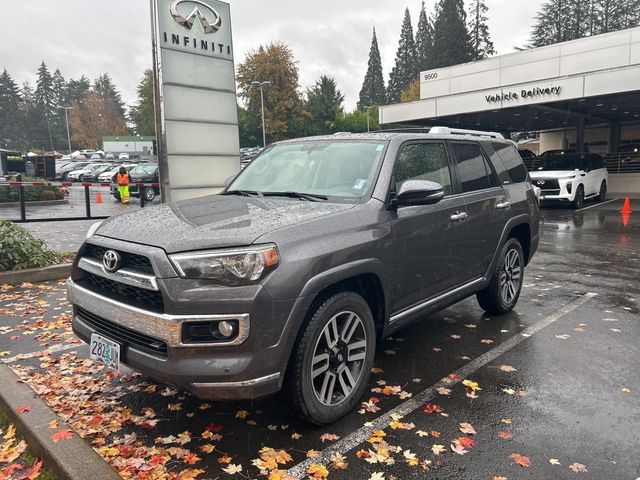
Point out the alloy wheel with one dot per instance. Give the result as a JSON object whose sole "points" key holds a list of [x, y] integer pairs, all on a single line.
{"points": [[338, 358], [510, 276]]}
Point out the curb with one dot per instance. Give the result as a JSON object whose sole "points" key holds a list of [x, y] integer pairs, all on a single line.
{"points": [[54, 272], [71, 459]]}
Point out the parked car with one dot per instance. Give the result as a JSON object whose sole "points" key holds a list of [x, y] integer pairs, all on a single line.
{"points": [[78, 175], [110, 156], [571, 177], [63, 172], [123, 156], [96, 156], [93, 174], [629, 153], [109, 175], [319, 248], [143, 173], [528, 157]]}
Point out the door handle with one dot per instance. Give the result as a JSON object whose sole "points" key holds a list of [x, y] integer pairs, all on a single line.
{"points": [[503, 204], [459, 217]]}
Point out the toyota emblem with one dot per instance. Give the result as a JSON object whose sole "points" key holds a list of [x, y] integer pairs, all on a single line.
{"points": [[111, 261]]}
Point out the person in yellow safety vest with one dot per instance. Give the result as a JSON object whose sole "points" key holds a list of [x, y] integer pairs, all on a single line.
{"points": [[123, 179]]}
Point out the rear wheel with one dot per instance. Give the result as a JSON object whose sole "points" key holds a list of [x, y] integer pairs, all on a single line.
{"points": [[602, 196], [579, 200], [332, 358], [504, 290]]}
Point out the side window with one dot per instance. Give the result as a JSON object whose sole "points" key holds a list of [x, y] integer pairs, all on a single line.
{"points": [[597, 162], [586, 163], [475, 173], [424, 161], [511, 161]]}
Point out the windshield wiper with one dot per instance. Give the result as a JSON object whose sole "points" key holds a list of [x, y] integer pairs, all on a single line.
{"points": [[244, 193], [312, 197]]}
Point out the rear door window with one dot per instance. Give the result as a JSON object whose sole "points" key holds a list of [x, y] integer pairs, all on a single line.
{"points": [[473, 170], [512, 161]]}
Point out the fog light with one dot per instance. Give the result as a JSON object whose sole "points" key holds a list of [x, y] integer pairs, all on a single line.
{"points": [[226, 329]]}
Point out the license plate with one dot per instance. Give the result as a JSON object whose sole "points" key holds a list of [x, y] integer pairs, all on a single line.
{"points": [[106, 351]]}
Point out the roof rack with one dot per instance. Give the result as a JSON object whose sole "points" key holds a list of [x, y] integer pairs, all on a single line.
{"points": [[403, 130], [462, 131]]}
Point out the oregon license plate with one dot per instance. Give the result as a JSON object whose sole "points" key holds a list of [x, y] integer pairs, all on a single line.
{"points": [[106, 351]]}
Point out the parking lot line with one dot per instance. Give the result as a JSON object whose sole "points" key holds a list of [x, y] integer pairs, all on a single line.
{"points": [[358, 436], [597, 205]]}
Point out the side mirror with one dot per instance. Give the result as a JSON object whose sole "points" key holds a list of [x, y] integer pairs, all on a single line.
{"points": [[228, 181], [419, 192]]}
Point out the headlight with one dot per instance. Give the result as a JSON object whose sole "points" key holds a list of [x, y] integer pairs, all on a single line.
{"points": [[93, 228], [233, 266]]}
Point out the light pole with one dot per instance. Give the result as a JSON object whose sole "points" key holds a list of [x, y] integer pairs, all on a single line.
{"points": [[66, 119], [366, 109], [262, 86]]}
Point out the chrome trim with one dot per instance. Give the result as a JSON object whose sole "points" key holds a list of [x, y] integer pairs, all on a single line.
{"points": [[162, 326], [397, 316], [124, 275], [244, 383]]}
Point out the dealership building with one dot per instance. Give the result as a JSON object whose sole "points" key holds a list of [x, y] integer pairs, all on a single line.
{"points": [[582, 95]]}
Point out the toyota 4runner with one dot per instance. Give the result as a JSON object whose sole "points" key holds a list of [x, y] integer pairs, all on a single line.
{"points": [[318, 248]]}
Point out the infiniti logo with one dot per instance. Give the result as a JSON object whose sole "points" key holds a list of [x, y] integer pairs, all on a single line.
{"points": [[541, 182], [210, 19], [111, 261]]}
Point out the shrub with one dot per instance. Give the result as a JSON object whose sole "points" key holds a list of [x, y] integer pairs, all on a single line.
{"points": [[47, 195], [20, 250]]}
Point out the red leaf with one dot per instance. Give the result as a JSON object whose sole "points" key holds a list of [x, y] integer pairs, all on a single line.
{"points": [[505, 435], [62, 434], [374, 399], [466, 442], [453, 376], [214, 427], [432, 408], [10, 470], [520, 459], [23, 409], [33, 472]]}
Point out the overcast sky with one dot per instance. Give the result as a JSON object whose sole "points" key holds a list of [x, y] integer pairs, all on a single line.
{"points": [[328, 37]]}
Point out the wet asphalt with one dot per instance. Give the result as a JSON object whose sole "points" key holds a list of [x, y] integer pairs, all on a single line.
{"points": [[566, 396]]}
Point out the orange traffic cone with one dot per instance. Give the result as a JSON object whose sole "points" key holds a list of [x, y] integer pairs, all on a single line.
{"points": [[626, 208], [99, 198]]}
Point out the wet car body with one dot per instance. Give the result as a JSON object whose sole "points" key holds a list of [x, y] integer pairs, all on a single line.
{"points": [[364, 244]]}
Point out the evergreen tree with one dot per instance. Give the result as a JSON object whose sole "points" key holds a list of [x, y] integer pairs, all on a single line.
{"points": [[481, 43], [405, 69], [609, 15], [58, 124], [32, 134], [324, 104], [373, 90], [142, 115], [109, 94], [451, 40], [424, 41], [45, 102], [77, 89], [10, 115]]}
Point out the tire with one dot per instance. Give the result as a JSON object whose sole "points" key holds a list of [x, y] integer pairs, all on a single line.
{"points": [[149, 194], [341, 373], [579, 198], [498, 297], [602, 196]]}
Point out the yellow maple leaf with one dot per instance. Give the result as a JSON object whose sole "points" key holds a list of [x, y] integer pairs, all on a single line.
{"points": [[207, 448], [317, 470], [242, 414], [471, 384]]}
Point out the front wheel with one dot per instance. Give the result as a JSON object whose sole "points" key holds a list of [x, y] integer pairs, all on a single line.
{"points": [[332, 358], [602, 196], [504, 290], [579, 200], [149, 194]]}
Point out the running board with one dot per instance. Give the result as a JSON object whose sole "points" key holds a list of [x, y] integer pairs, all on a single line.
{"points": [[427, 303]]}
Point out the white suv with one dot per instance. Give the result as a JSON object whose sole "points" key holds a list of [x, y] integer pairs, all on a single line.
{"points": [[570, 177]]}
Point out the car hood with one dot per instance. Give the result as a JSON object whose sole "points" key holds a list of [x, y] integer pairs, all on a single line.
{"points": [[214, 221], [553, 174]]}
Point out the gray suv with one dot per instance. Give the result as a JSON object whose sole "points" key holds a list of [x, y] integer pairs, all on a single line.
{"points": [[318, 248]]}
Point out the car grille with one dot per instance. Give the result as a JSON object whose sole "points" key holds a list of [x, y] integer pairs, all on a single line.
{"points": [[547, 184], [138, 297], [123, 335], [131, 261]]}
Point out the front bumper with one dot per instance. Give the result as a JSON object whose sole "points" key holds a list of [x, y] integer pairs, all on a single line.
{"points": [[222, 371]]}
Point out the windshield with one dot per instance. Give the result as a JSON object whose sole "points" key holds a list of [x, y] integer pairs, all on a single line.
{"points": [[559, 162], [329, 168], [144, 169]]}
